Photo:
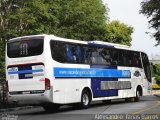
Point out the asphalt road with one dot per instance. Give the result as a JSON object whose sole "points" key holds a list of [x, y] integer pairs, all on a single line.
{"points": [[148, 108]]}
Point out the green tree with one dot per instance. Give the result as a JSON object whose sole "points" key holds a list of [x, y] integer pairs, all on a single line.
{"points": [[117, 32], [76, 19], [21, 17], [151, 9], [82, 19]]}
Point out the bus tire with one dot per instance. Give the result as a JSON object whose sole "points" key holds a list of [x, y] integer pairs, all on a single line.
{"points": [[51, 107], [137, 98], [85, 99]]}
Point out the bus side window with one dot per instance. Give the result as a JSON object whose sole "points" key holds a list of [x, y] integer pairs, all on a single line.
{"points": [[69, 53], [136, 60], [78, 54], [107, 56], [94, 56], [121, 58], [114, 55], [103, 56], [129, 58], [74, 53], [83, 49], [146, 67], [87, 55], [55, 48]]}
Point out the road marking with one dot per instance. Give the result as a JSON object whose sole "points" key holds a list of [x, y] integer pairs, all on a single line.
{"points": [[149, 108]]}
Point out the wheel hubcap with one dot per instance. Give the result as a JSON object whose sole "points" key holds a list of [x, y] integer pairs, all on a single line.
{"points": [[85, 99], [138, 94]]}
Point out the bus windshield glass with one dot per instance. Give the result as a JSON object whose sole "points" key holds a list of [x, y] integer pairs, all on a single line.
{"points": [[25, 48]]}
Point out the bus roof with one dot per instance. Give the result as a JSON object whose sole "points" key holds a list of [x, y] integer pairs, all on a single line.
{"points": [[93, 43], [28, 36], [107, 44], [48, 36]]}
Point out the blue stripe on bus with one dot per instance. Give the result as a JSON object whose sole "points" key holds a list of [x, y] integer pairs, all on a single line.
{"points": [[91, 72], [26, 71]]}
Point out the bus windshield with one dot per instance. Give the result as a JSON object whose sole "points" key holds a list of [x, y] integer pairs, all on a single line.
{"points": [[25, 48]]}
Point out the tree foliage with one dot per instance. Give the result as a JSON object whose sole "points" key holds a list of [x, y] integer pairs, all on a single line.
{"points": [[117, 32], [21, 17], [151, 8], [82, 19], [76, 19]]}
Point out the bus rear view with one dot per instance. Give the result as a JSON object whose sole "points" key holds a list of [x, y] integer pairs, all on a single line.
{"points": [[25, 70]]}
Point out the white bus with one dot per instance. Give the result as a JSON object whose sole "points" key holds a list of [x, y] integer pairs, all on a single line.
{"points": [[50, 71]]}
